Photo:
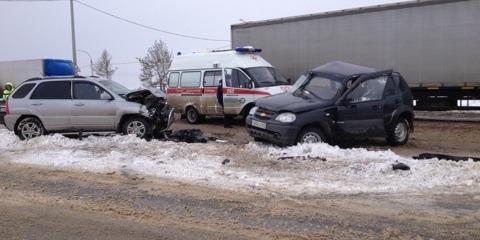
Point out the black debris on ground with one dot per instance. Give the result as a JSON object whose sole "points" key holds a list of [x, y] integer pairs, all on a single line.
{"points": [[185, 135], [226, 161], [425, 156], [304, 158], [400, 166]]}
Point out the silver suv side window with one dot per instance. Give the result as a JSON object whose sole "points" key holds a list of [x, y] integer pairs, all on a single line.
{"points": [[24, 90], [53, 90], [87, 91], [370, 90]]}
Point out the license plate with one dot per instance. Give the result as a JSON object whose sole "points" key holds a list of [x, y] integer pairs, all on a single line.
{"points": [[258, 124]]}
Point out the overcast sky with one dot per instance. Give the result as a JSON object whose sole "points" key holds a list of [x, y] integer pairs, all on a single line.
{"points": [[30, 30]]}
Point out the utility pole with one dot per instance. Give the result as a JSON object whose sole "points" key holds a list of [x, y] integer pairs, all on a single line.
{"points": [[74, 45]]}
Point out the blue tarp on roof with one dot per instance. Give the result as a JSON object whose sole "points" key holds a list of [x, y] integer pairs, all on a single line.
{"points": [[58, 67]]}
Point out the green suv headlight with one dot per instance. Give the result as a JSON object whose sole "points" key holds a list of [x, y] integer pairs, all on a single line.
{"points": [[286, 117]]}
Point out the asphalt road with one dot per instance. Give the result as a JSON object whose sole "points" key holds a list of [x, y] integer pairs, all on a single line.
{"points": [[45, 204]]}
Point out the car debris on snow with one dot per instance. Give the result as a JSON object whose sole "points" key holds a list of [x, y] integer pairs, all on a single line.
{"points": [[226, 161], [400, 166], [185, 135], [304, 158], [425, 156]]}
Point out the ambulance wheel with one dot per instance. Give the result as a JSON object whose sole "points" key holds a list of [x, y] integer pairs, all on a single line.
{"points": [[193, 116]]}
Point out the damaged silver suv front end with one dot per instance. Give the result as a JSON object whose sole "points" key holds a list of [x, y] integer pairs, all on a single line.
{"points": [[155, 108]]}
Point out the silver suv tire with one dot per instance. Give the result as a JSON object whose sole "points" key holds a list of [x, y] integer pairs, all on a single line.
{"points": [[137, 126], [29, 128]]}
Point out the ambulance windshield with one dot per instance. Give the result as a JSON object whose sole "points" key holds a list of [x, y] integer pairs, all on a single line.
{"points": [[265, 76]]}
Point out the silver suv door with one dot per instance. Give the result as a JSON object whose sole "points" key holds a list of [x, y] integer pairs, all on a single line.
{"points": [[52, 102], [93, 108]]}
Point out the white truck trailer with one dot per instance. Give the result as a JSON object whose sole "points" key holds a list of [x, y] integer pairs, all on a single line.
{"points": [[433, 43]]}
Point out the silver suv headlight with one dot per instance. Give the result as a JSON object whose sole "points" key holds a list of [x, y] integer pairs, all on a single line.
{"points": [[286, 117], [252, 111]]}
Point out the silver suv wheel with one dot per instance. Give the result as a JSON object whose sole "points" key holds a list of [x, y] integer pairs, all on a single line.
{"points": [[30, 128], [137, 128]]}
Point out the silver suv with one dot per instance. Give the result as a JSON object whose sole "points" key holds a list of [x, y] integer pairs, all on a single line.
{"points": [[85, 105]]}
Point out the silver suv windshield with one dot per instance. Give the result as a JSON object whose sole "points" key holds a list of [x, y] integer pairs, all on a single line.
{"points": [[265, 76], [115, 87], [319, 87]]}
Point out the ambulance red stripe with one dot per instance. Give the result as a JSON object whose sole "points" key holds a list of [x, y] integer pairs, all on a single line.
{"points": [[188, 91]]}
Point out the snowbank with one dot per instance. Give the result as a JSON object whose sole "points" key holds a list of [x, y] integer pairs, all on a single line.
{"points": [[346, 171]]}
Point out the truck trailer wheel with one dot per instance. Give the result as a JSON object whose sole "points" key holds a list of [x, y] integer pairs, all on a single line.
{"points": [[399, 133]]}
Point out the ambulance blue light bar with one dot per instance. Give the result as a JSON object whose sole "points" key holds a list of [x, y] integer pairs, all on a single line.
{"points": [[248, 49]]}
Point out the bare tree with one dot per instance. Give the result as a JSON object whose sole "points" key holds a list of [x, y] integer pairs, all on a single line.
{"points": [[103, 66], [155, 65]]}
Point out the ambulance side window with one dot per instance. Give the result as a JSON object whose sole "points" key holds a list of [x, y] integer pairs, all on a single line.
{"points": [[235, 78], [190, 79], [173, 79], [212, 78]]}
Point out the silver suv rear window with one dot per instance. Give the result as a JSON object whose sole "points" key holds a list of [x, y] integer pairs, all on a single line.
{"points": [[53, 90]]}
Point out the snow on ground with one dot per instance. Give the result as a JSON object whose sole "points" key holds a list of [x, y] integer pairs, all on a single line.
{"points": [[346, 171]]}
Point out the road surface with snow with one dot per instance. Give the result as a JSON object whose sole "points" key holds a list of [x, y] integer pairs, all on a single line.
{"points": [[309, 169]]}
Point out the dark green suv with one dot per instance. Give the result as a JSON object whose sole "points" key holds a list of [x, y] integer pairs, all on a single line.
{"points": [[336, 101]]}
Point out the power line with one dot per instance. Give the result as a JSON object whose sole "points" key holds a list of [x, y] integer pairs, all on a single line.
{"points": [[127, 20], [114, 63], [126, 63], [149, 27], [31, 0]]}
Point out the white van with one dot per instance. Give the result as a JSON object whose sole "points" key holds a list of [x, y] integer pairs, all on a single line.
{"points": [[193, 81]]}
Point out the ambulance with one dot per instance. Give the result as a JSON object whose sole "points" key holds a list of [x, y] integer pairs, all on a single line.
{"points": [[193, 80]]}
